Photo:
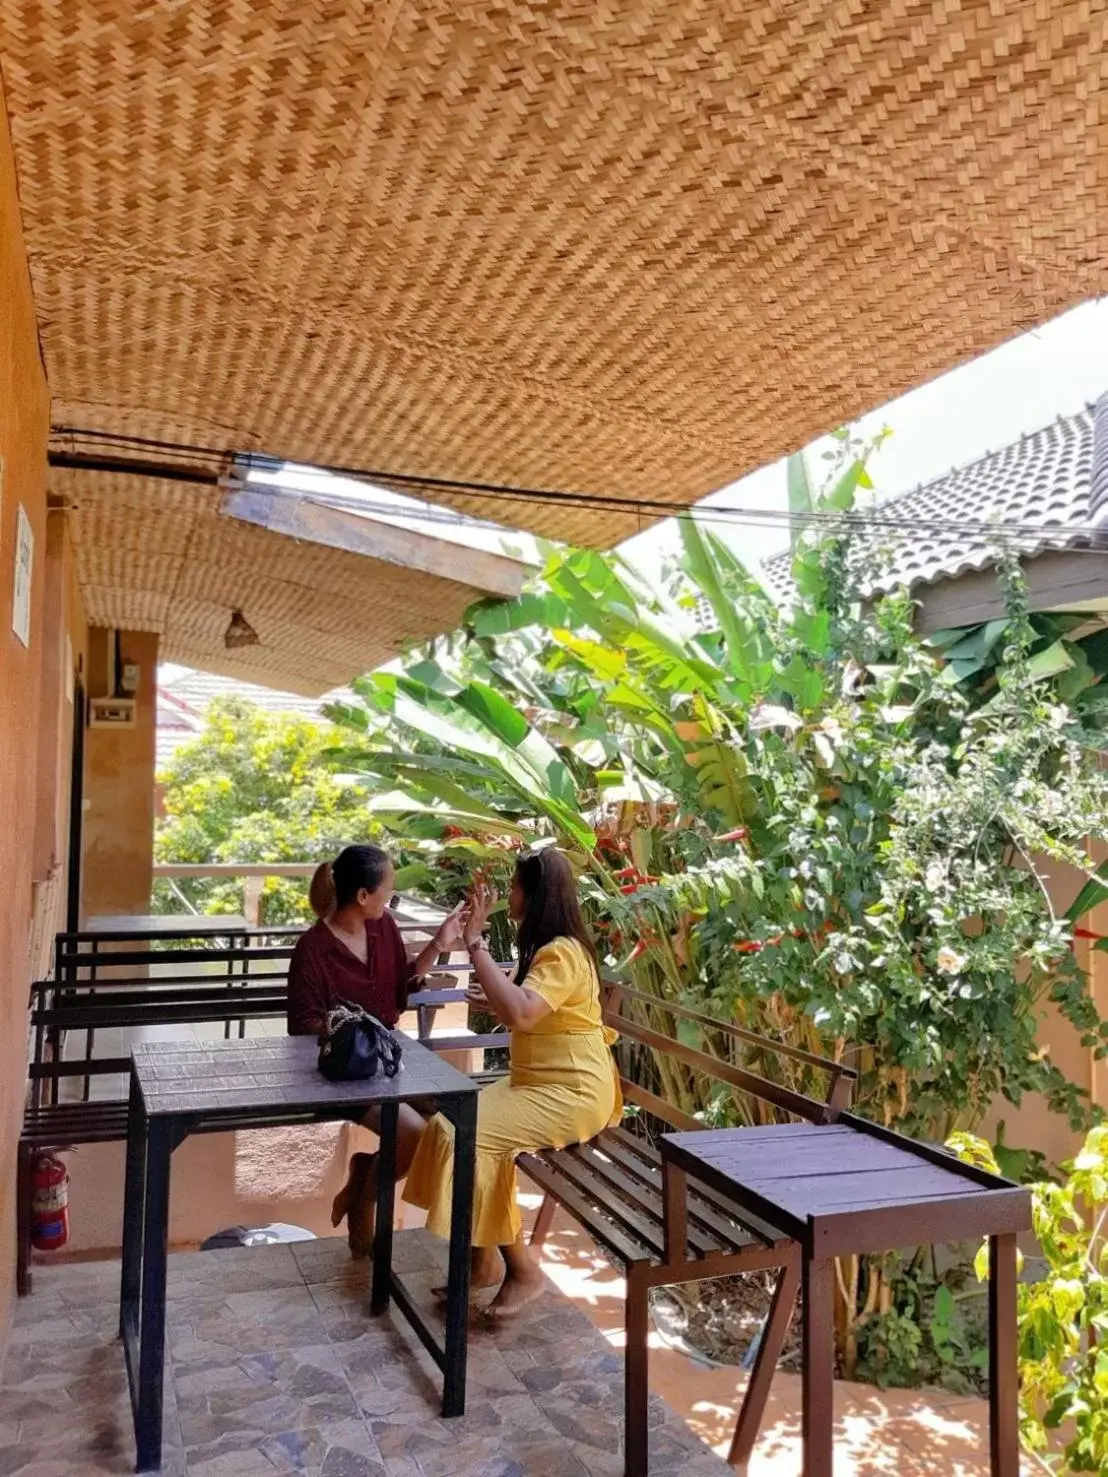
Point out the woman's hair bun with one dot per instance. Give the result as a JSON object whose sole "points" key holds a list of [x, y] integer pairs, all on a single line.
{"points": [[321, 891]]}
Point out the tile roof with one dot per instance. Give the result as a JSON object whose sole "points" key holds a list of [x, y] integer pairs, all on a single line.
{"points": [[1040, 483], [183, 701], [197, 689]]}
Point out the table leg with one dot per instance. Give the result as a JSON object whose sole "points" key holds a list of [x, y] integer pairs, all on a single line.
{"points": [[386, 1210], [133, 1191], [155, 1246], [753, 1408], [818, 1371], [636, 1386], [675, 1212], [463, 1114], [1003, 1366]]}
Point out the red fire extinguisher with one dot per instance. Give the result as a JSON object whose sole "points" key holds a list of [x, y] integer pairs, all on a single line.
{"points": [[49, 1203]]}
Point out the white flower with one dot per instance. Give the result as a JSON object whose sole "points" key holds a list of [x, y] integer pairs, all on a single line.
{"points": [[950, 962], [1052, 803], [935, 876]]}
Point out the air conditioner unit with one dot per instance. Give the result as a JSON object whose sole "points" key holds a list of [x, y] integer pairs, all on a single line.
{"points": [[111, 712]]}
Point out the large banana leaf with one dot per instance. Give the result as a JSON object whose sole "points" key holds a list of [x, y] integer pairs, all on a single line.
{"points": [[402, 804], [385, 762], [747, 653], [500, 617], [800, 494], [610, 611], [476, 725]]}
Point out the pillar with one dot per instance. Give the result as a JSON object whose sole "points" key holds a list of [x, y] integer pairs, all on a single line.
{"points": [[119, 782]]}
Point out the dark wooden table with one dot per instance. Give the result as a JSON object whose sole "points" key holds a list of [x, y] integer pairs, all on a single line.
{"points": [[183, 1088], [850, 1187]]}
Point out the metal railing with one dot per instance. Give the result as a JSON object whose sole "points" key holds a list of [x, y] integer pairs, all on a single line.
{"points": [[254, 874]]}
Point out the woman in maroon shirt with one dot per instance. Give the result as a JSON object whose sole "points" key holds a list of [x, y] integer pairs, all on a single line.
{"points": [[355, 955]]}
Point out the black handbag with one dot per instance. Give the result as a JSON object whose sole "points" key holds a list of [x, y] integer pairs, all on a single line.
{"points": [[355, 1045]]}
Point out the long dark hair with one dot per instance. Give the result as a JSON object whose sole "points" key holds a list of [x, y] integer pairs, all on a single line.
{"points": [[552, 910], [355, 867]]}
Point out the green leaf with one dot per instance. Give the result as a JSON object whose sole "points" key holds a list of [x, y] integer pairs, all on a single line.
{"points": [[503, 616], [745, 650], [398, 804], [604, 662], [800, 494], [1050, 662], [1095, 648], [841, 496], [641, 848], [414, 876], [1091, 895], [977, 643], [941, 640], [496, 713], [812, 630]]}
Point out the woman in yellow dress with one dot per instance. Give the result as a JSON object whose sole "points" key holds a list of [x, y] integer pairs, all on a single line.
{"points": [[562, 1088]]}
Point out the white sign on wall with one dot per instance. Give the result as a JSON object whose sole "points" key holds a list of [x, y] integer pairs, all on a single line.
{"points": [[24, 562]]}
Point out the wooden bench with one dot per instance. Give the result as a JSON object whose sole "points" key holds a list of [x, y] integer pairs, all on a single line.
{"points": [[612, 1187]]}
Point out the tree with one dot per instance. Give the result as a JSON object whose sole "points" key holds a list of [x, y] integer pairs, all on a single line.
{"points": [[254, 787]]}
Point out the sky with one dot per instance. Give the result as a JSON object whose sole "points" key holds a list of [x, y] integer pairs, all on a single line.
{"points": [[954, 419], [983, 405]]}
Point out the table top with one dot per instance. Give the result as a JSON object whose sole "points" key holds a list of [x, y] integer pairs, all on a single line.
{"points": [[155, 923], [850, 1186], [261, 1074]]}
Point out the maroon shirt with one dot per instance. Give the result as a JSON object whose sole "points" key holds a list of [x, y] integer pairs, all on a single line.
{"points": [[324, 973]]}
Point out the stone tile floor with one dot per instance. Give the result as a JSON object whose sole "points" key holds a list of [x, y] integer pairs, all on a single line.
{"points": [[275, 1367]]}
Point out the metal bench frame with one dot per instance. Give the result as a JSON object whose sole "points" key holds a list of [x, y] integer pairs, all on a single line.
{"points": [[82, 1000]]}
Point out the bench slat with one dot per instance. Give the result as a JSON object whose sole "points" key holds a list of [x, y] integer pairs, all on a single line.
{"points": [[639, 1188], [498, 1041], [96, 1066], [142, 984], [590, 1216], [636, 1219], [166, 1013], [728, 1231], [220, 992], [766, 1232]]}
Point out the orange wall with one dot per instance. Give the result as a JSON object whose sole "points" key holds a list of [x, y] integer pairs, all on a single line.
{"points": [[24, 426], [1033, 1125], [119, 787], [63, 655]]}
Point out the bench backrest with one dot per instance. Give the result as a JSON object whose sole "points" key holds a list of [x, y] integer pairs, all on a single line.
{"points": [[82, 955], [634, 1014]]}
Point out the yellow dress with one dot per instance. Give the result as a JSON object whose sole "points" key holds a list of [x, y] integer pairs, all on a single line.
{"points": [[562, 1089]]}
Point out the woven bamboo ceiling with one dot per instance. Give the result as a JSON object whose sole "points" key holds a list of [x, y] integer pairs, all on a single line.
{"points": [[631, 247], [156, 555]]}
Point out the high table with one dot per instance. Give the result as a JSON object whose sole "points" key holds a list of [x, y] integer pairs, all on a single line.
{"points": [[183, 1088], [850, 1187]]}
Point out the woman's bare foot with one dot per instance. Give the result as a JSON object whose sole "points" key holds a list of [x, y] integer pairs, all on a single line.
{"points": [[519, 1288], [355, 1204], [485, 1271]]}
